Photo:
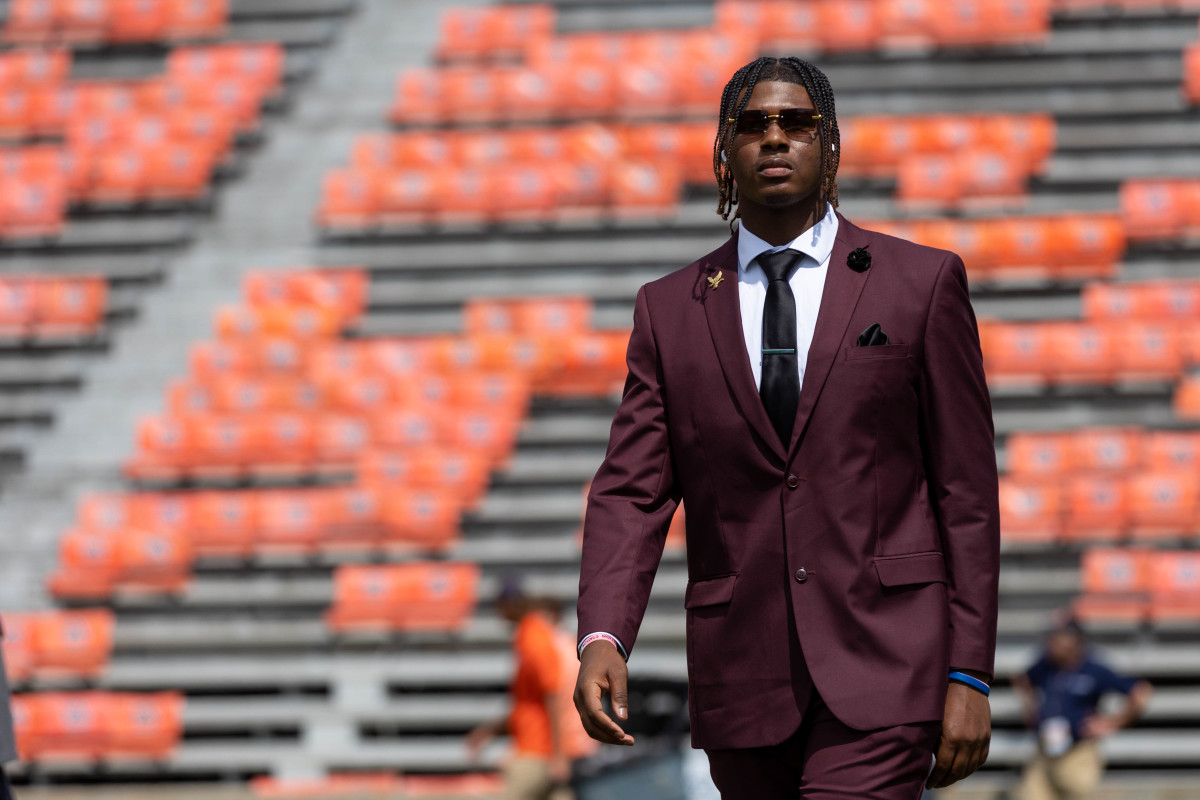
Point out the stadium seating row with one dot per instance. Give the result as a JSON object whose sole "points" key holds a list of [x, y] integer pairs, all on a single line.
{"points": [[1063, 247], [1090, 508], [41, 305], [1132, 586], [1144, 300], [1115, 451], [1088, 352], [52, 644], [420, 596], [114, 21], [97, 725], [872, 145], [382, 784], [231, 77], [95, 563], [526, 32], [1161, 208]]}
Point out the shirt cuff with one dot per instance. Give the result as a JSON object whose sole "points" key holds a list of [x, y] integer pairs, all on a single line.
{"points": [[606, 636]]}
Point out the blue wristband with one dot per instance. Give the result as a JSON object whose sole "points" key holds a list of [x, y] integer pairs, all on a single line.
{"points": [[974, 683]]}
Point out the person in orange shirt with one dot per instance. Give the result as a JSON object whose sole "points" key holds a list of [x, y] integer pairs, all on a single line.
{"points": [[539, 722]]}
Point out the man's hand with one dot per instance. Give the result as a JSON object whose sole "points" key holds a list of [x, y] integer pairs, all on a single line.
{"points": [[601, 669], [966, 734]]}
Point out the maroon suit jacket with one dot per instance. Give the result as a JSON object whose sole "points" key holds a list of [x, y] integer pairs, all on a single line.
{"points": [[886, 496]]}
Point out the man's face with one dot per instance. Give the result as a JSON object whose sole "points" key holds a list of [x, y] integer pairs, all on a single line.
{"points": [[773, 169], [1064, 648]]}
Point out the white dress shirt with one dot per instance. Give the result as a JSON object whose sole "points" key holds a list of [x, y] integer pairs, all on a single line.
{"points": [[807, 282]]}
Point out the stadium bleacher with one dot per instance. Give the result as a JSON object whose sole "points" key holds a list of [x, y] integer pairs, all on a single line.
{"points": [[289, 579]]}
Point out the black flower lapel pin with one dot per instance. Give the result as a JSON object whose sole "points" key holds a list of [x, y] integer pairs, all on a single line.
{"points": [[859, 259]]}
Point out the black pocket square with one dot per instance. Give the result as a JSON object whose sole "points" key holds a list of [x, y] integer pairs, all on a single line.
{"points": [[872, 335]]}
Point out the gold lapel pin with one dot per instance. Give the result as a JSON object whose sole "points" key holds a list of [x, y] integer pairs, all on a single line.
{"points": [[715, 280]]}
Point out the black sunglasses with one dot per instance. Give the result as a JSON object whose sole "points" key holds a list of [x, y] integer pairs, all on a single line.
{"points": [[798, 123]]}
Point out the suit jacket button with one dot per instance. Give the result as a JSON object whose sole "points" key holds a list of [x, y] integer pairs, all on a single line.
{"points": [[801, 575], [793, 481]]}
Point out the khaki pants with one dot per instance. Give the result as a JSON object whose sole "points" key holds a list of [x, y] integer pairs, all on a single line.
{"points": [[1074, 775], [528, 778]]}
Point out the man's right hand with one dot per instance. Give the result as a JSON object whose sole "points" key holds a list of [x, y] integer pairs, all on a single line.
{"points": [[601, 669]]}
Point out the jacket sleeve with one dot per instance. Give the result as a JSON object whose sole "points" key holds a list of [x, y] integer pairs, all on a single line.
{"points": [[631, 500], [958, 443]]}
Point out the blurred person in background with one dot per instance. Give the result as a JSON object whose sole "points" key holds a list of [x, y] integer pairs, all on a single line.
{"points": [[545, 729], [1060, 695]]}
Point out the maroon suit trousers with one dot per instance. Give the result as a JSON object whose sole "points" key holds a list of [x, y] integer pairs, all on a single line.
{"points": [[825, 759]]}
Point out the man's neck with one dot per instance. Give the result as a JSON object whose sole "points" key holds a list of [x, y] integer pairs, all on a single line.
{"points": [[779, 227]]}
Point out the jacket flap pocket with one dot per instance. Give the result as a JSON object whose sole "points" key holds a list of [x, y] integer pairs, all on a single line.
{"points": [[709, 592], [911, 568]]}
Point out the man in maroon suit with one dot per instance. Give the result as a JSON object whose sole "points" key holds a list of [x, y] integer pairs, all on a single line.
{"points": [[814, 392]]}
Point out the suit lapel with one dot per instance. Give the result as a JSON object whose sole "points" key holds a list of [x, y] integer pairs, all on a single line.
{"points": [[724, 312], [838, 299]]}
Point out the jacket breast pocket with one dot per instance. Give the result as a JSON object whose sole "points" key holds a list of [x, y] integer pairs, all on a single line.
{"points": [[879, 351], [910, 568], [709, 591]]}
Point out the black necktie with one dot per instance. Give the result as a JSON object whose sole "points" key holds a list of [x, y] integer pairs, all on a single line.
{"points": [[780, 385]]}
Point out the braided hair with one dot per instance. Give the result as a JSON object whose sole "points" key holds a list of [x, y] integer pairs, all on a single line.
{"points": [[736, 96]]}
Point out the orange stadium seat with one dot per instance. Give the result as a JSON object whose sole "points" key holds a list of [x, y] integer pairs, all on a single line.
{"points": [[428, 518], [355, 518], [1111, 450], [1082, 352], [158, 561], [1191, 73], [468, 195], [1033, 136], [1039, 454], [1161, 208], [179, 171], [197, 19], [33, 66], [84, 20], [77, 642], [525, 191], [62, 725], [1147, 350], [30, 20], [89, 565], [350, 199], [593, 364], [1016, 352], [1030, 511], [469, 94], [1098, 508], [1085, 245], [32, 207], [1186, 402], [137, 20], [492, 354], [1171, 450], [18, 307], [292, 520], [77, 303], [641, 189], [17, 645], [529, 94], [227, 523], [849, 24], [339, 439], [1164, 504], [418, 99], [344, 290], [1116, 571], [1175, 581], [643, 89], [405, 196], [144, 725], [405, 597], [260, 65]]}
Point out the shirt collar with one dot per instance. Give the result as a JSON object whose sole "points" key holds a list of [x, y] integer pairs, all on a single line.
{"points": [[816, 242]]}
